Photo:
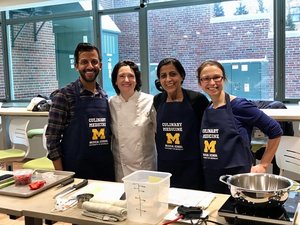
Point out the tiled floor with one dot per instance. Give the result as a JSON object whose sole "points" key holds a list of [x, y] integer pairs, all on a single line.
{"points": [[5, 220]]}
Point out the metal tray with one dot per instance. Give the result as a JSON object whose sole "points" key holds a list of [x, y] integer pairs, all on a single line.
{"points": [[52, 178]]}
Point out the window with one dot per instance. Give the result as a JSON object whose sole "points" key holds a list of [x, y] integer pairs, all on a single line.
{"points": [[118, 4], [42, 55], [295, 14], [192, 35], [292, 50], [49, 10], [239, 34], [120, 41]]}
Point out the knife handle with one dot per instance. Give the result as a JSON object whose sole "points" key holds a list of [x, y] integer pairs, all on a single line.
{"points": [[81, 184], [66, 182]]}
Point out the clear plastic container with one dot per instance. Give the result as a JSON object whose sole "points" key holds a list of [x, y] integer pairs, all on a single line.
{"points": [[22, 176], [147, 195]]}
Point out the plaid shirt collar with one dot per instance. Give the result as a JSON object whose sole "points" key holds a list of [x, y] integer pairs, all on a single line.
{"points": [[99, 90]]}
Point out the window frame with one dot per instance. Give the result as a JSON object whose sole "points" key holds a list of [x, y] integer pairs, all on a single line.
{"points": [[96, 13]]}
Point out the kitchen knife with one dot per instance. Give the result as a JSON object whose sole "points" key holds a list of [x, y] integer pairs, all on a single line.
{"points": [[7, 183], [66, 182], [72, 188]]}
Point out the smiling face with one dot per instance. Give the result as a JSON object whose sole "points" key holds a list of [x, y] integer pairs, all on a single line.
{"points": [[126, 81], [211, 80], [170, 79], [88, 66]]}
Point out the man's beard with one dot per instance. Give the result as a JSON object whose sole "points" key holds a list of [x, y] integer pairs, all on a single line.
{"points": [[88, 78]]}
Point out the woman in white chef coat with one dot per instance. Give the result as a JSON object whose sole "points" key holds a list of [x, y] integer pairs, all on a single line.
{"points": [[133, 122]]}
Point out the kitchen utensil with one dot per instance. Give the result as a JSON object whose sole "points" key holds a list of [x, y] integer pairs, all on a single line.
{"points": [[258, 189], [72, 188], [83, 198], [66, 182], [5, 176], [7, 183]]}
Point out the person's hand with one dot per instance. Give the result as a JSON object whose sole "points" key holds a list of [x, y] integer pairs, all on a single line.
{"points": [[258, 169]]}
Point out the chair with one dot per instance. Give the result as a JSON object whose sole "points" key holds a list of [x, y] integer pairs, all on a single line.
{"points": [[288, 155], [18, 137], [42, 162], [35, 132]]}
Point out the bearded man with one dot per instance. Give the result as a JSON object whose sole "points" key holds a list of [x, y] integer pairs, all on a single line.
{"points": [[78, 132]]}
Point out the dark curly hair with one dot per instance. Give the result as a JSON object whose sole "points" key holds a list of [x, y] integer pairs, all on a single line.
{"points": [[134, 67]]}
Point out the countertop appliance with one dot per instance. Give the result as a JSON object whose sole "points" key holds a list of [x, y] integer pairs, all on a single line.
{"points": [[236, 213]]}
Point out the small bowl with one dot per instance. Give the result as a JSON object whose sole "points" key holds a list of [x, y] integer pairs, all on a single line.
{"points": [[83, 198], [22, 176]]}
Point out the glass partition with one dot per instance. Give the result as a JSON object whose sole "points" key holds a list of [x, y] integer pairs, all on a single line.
{"points": [[292, 49], [120, 41], [114, 4], [42, 55], [46, 9], [239, 34], [236, 33]]}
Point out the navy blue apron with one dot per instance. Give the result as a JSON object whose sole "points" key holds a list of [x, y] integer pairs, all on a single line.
{"points": [[86, 141], [224, 151], [177, 142]]}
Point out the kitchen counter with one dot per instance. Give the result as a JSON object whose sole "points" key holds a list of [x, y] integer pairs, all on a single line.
{"points": [[40, 206]]}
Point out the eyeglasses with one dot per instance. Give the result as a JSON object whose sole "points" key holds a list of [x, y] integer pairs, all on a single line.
{"points": [[208, 79]]}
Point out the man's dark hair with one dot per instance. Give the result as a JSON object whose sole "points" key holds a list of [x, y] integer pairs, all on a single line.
{"points": [[85, 47], [134, 67]]}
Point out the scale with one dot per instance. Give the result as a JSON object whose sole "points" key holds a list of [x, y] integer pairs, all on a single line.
{"points": [[237, 214]]}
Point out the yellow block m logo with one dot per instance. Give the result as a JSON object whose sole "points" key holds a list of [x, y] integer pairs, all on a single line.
{"points": [[210, 146], [98, 134], [173, 138]]}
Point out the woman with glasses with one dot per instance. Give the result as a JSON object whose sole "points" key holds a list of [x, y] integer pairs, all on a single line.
{"points": [[179, 114], [226, 130], [133, 122]]}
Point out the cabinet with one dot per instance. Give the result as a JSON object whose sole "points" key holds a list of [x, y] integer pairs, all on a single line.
{"points": [[246, 78]]}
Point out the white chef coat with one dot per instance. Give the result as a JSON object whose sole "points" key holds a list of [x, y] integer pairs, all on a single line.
{"points": [[133, 139]]}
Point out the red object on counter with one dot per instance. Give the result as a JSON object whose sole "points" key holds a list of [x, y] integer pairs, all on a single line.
{"points": [[36, 184]]}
